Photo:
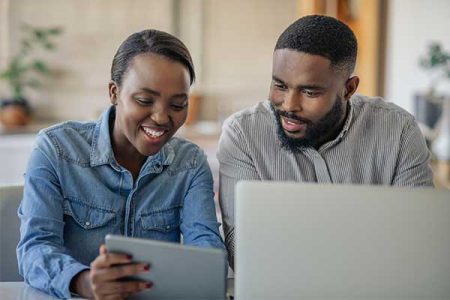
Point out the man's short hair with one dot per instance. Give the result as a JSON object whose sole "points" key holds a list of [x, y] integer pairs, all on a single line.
{"points": [[324, 36]]}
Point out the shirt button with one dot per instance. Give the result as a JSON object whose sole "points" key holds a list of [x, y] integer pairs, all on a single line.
{"points": [[87, 223]]}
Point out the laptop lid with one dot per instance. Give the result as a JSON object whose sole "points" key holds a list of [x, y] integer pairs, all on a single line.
{"points": [[328, 241]]}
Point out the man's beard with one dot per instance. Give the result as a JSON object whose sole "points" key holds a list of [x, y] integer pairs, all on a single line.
{"points": [[316, 132]]}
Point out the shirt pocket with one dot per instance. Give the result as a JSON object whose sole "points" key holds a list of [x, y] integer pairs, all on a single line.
{"points": [[163, 221], [88, 216]]}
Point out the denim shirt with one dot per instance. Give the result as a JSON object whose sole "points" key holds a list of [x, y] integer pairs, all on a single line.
{"points": [[75, 193]]}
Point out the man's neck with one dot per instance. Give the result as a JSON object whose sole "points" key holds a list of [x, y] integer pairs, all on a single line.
{"points": [[335, 133]]}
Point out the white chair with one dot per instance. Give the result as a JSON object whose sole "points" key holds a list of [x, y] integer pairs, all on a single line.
{"points": [[10, 197]]}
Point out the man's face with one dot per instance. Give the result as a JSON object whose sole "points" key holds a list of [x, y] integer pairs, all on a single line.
{"points": [[151, 103], [308, 98]]}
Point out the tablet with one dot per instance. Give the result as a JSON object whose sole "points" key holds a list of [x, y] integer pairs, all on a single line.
{"points": [[177, 271]]}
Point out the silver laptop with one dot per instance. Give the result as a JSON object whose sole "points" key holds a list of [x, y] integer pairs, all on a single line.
{"points": [[336, 241]]}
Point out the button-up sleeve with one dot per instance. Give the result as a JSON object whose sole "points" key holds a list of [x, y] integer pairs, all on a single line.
{"points": [[413, 162], [235, 165], [44, 262], [199, 224]]}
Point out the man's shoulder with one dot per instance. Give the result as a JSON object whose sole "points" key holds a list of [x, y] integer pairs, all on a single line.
{"points": [[378, 106], [255, 115]]}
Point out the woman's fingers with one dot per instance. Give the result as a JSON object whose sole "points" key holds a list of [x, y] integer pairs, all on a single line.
{"points": [[103, 249], [107, 270], [108, 259], [118, 272]]}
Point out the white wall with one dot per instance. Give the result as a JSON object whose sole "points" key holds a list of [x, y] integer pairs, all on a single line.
{"points": [[93, 30], [239, 37], [231, 42], [412, 24]]}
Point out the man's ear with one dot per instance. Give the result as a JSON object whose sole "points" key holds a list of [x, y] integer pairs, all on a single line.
{"points": [[350, 87], [113, 92]]}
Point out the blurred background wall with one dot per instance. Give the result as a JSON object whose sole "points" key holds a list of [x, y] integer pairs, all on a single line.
{"points": [[231, 42], [412, 25]]}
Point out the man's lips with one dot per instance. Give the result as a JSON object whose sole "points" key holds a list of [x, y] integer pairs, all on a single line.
{"points": [[292, 125]]}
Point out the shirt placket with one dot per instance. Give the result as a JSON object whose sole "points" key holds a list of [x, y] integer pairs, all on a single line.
{"points": [[320, 166]]}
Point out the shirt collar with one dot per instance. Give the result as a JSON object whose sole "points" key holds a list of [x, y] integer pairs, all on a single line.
{"points": [[102, 152], [345, 128]]}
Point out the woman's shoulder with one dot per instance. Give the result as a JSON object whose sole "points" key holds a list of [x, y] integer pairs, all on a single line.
{"points": [[68, 137], [186, 153]]}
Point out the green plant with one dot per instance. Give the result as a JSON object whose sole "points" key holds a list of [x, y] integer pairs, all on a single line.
{"points": [[24, 68], [437, 61]]}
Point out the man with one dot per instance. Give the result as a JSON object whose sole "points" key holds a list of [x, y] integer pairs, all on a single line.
{"points": [[313, 128]]}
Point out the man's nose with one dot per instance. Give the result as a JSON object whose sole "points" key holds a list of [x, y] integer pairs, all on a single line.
{"points": [[292, 101]]}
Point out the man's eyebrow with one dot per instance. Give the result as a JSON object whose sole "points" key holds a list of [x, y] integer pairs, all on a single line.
{"points": [[302, 86], [311, 87], [275, 78]]}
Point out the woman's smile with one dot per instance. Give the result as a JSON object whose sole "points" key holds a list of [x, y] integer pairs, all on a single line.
{"points": [[153, 135]]}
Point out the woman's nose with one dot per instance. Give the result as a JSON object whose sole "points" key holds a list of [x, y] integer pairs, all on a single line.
{"points": [[160, 116]]}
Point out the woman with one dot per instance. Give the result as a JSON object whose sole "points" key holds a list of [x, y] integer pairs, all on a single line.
{"points": [[125, 174]]}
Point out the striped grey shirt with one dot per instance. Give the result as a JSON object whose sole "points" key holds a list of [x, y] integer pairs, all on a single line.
{"points": [[380, 143]]}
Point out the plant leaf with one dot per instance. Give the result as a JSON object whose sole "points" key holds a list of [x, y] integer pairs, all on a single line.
{"points": [[55, 30], [40, 66], [49, 46]]}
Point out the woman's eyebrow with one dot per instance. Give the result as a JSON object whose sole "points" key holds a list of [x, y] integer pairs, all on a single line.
{"points": [[181, 95], [150, 91], [156, 93]]}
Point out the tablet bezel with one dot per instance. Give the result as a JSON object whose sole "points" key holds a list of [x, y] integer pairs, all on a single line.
{"points": [[177, 271]]}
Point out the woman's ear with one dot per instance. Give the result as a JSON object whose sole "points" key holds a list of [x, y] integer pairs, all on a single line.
{"points": [[350, 86], [113, 92]]}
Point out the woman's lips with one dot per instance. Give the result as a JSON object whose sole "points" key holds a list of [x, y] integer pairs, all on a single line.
{"points": [[154, 135], [292, 125]]}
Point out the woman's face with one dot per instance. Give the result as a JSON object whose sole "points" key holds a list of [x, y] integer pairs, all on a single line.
{"points": [[151, 104]]}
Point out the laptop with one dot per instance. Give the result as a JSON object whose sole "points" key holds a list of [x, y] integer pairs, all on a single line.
{"points": [[177, 271], [318, 241]]}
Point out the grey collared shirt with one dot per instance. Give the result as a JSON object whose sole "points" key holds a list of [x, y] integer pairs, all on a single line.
{"points": [[380, 143]]}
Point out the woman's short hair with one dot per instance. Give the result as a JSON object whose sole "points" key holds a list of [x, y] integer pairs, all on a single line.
{"points": [[150, 41]]}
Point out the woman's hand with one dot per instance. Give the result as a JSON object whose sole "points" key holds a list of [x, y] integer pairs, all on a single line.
{"points": [[103, 280]]}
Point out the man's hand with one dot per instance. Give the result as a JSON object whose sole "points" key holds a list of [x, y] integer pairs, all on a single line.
{"points": [[103, 280]]}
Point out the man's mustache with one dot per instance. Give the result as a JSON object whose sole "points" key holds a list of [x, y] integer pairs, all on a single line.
{"points": [[291, 115]]}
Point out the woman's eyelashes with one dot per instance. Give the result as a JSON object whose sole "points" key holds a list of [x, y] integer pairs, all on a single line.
{"points": [[144, 101], [173, 106], [179, 107]]}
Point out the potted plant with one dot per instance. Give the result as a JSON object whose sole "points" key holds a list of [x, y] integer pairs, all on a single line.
{"points": [[23, 71], [428, 105], [433, 108]]}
